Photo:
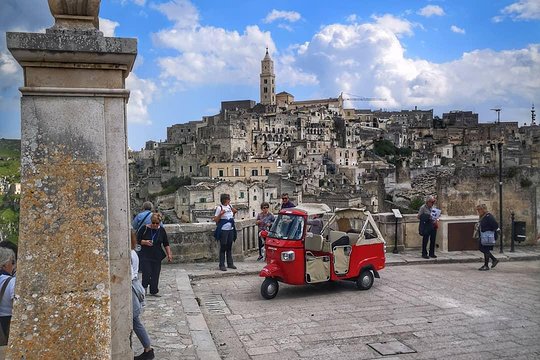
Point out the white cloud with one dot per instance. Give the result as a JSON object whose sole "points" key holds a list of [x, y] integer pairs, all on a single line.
{"points": [[182, 12], [431, 10], [141, 95], [290, 16], [136, 2], [211, 55], [457, 29], [107, 26], [352, 18], [368, 59], [394, 24], [522, 10]]}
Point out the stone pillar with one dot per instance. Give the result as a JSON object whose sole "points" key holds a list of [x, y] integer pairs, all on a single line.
{"points": [[73, 290]]}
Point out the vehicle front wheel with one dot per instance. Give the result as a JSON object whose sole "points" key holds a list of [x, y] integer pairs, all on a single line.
{"points": [[365, 280], [269, 288]]}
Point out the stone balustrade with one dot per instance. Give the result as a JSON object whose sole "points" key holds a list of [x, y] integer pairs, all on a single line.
{"points": [[195, 242]]}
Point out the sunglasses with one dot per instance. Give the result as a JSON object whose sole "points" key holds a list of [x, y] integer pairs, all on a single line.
{"points": [[155, 223], [284, 198], [265, 207]]}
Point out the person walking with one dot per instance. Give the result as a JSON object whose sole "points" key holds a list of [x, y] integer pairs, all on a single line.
{"points": [[7, 292], [137, 298], [285, 202], [225, 231], [486, 223], [428, 226], [264, 220], [153, 239]]}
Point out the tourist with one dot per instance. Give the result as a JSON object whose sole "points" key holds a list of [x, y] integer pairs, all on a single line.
{"points": [[316, 224], [264, 220], [8, 244], [285, 202], [486, 223], [153, 239], [7, 293], [142, 218], [429, 222], [225, 231], [137, 298]]}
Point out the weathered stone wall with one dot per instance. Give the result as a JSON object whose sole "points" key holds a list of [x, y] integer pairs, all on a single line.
{"points": [[460, 193]]}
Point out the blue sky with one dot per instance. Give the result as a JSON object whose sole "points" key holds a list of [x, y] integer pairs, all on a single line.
{"points": [[441, 55]]}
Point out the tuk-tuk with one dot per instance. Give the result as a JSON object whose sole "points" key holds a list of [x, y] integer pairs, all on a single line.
{"points": [[350, 247]]}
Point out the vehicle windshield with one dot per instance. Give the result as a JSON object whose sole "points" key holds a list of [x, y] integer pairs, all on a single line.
{"points": [[287, 227]]}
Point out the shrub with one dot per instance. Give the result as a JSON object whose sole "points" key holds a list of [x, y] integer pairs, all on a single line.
{"points": [[525, 182], [416, 203]]}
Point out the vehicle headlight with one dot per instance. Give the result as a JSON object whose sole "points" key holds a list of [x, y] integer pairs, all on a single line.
{"points": [[287, 256]]}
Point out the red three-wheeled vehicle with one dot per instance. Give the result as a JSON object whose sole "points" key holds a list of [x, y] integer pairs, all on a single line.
{"points": [[350, 247]]}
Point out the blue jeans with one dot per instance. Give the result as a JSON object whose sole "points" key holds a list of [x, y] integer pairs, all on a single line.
{"points": [[138, 326], [225, 247]]}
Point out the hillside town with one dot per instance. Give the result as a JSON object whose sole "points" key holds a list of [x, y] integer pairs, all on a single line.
{"points": [[322, 151]]}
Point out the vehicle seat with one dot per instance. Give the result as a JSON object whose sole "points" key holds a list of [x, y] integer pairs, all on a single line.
{"points": [[353, 238], [314, 243]]}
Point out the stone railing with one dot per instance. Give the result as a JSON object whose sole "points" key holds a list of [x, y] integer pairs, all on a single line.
{"points": [[196, 243]]}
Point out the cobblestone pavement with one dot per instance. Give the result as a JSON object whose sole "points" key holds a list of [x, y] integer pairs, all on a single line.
{"points": [[438, 311]]}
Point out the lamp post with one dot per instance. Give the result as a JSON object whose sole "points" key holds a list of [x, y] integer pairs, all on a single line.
{"points": [[499, 147]]}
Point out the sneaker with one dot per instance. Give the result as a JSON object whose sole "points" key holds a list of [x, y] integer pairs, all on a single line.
{"points": [[259, 258], [494, 263], [232, 267], [222, 268], [484, 268], [433, 256], [145, 355], [425, 257]]}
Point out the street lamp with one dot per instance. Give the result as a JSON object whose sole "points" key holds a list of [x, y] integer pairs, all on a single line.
{"points": [[499, 149]]}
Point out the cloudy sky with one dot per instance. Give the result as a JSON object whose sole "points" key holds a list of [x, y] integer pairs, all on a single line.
{"points": [[441, 55]]}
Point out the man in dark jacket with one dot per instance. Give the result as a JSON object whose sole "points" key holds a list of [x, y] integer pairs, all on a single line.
{"points": [[285, 202], [427, 227]]}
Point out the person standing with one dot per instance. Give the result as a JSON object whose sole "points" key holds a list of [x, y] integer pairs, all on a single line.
{"points": [[485, 223], [225, 231], [7, 291], [264, 220], [142, 218], [316, 224], [137, 297], [153, 239], [428, 227], [285, 202]]}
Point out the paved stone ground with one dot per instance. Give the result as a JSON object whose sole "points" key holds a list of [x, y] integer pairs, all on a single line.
{"points": [[410, 304], [437, 310]]}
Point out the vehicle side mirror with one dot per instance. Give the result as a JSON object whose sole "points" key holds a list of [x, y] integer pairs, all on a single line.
{"points": [[264, 234]]}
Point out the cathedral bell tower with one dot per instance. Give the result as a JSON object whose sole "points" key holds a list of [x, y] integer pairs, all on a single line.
{"points": [[268, 81]]}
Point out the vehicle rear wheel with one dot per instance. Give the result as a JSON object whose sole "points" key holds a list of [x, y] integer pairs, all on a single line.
{"points": [[365, 280], [269, 288]]}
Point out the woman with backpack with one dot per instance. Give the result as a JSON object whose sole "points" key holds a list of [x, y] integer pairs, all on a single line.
{"points": [[225, 231]]}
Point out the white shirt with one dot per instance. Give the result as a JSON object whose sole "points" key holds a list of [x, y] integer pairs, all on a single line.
{"points": [[6, 305], [228, 215], [134, 265]]}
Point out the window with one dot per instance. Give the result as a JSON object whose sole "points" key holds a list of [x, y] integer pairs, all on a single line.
{"points": [[220, 172], [254, 172], [203, 200], [183, 200], [190, 169], [254, 197], [265, 81], [241, 194], [236, 172], [267, 172]]}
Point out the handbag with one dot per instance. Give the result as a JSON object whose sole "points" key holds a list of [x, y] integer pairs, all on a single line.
{"points": [[487, 238]]}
